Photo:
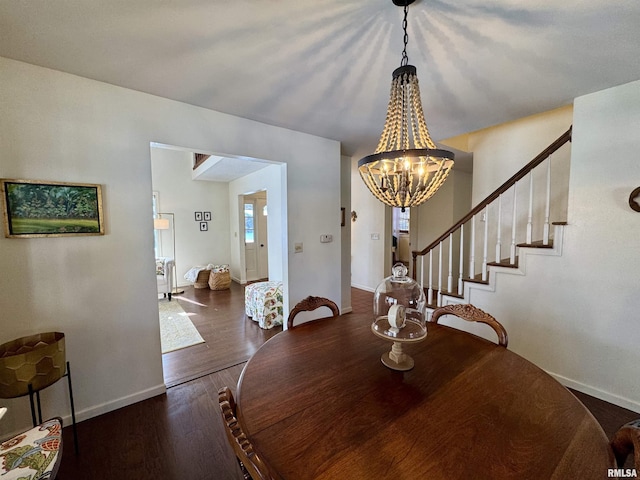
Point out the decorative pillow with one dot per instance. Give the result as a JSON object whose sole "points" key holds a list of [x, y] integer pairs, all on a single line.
{"points": [[160, 266], [220, 268]]}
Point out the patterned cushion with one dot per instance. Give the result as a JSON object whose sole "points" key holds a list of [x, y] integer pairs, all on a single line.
{"points": [[33, 455], [263, 303], [160, 266]]}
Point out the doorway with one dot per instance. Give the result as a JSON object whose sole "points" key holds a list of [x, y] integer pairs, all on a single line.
{"points": [[214, 195], [256, 238], [401, 251]]}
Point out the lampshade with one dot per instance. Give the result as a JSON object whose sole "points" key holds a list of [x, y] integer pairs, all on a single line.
{"points": [[161, 223], [406, 168]]}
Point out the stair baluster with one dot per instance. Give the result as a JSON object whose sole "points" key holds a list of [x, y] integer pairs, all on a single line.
{"points": [[514, 222], [483, 209], [430, 291], [472, 249], [499, 231], [440, 277], [530, 216], [450, 275], [461, 262], [545, 235], [485, 243]]}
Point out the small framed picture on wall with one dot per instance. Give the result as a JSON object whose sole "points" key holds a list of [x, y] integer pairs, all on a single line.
{"points": [[204, 226], [198, 216], [206, 216]]}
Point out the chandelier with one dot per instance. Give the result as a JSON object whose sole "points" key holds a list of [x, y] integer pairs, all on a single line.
{"points": [[406, 168]]}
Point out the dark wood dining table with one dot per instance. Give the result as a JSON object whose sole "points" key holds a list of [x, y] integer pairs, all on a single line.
{"points": [[317, 403]]}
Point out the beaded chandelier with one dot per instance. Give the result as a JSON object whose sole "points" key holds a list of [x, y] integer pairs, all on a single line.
{"points": [[406, 168]]}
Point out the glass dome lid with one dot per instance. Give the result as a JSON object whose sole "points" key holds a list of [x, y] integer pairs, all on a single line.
{"points": [[398, 315], [398, 307]]}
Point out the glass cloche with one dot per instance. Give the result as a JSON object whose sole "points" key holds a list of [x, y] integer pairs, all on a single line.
{"points": [[398, 312]]}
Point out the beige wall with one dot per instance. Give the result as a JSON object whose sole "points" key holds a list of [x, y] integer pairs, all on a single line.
{"points": [[433, 218]]}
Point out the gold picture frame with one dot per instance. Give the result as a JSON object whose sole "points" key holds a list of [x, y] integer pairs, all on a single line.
{"points": [[33, 208]]}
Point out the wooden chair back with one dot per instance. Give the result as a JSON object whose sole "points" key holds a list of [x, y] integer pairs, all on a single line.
{"points": [[472, 314], [250, 462], [309, 304], [625, 441]]}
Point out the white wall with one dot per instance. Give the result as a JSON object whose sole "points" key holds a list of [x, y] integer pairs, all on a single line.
{"points": [[273, 180], [367, 254], [101, 291], [576, 315], [345, 232], [171, 172], [371, 259]]}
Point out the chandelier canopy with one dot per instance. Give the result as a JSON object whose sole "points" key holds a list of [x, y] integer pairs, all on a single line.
{"points": [[406, 168]]}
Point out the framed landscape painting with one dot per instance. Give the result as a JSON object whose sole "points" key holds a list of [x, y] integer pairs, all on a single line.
{"points": [[51, 209]]}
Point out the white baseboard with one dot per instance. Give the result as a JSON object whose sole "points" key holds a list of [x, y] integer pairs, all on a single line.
{"points": [[363, 287], [103, 408], [597, 393]]}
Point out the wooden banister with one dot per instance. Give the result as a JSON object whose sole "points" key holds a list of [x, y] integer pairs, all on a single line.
{"points": [[556, 145]]}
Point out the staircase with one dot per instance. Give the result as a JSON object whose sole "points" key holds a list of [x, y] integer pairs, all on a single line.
{"points": [[497, 235]]}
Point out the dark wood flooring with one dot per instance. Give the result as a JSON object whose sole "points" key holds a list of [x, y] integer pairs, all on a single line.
{"points": [[230, 337], [179, 435]]}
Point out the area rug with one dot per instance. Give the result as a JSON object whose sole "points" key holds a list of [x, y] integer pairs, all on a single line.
{"points": [[176, 329]]}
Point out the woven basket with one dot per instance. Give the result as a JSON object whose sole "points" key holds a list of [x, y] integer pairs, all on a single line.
{"points": [[203, 278], [219, 280], [38, 360]]}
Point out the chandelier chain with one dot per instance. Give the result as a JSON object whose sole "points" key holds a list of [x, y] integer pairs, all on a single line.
{"points": [[406, 168], [405, 58]]}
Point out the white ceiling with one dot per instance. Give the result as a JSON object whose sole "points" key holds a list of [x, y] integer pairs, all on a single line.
{"points": [[324, 66], [227, 169]]}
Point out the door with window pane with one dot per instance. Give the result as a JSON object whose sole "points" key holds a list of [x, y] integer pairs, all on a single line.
{"points": [[262, 242], [250, 252]]}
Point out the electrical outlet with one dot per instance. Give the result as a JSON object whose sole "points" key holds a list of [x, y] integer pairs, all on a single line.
{"points": [[326, 238]]}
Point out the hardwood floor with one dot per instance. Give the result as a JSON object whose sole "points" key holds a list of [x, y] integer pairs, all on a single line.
{"points": [[230, 337], [179, 435]]}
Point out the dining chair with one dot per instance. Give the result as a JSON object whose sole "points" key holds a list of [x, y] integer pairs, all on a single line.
{"points": [[309, 304], [472, 314], [625, 441], [252, 466]]}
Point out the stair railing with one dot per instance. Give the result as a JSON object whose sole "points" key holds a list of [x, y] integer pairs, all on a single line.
{"points": [[459, 231]]}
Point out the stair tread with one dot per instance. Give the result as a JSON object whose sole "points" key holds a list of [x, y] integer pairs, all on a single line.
{"points": [[505, 262], [537, 244]]}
